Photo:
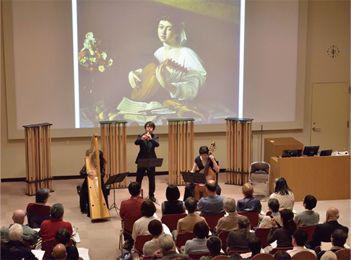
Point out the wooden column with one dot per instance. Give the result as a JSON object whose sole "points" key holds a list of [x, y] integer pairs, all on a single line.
{"points": [[180, 148], [239, 146], [114, 147], [38, 157]]}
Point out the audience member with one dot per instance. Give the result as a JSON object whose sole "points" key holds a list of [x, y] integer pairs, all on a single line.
{"points": [[283, 235], [299, 241], [59, 252], [282, 255], [254, 245], [49, 227], [168, 249], [338, 239], [214, 245], [198, 243], [64, 237], [172, 205], [323, 232], [155, 229], [229, 222], [308, 217], [140, 226], [249, 203], [15, 247], [238, 240], [130, 211], [186, 224], [29, 235], [39, 211], [273, 218], [212, 204], [283, 194]]}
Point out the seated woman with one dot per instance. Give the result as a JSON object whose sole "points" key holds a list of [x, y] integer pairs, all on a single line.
{"points": [[249, 203], [283, 235], [172, 205], [39, 211], [283, 194], [198, 244]]}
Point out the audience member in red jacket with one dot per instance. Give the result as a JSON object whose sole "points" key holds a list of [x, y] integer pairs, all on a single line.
{"points": [[49, 227]]}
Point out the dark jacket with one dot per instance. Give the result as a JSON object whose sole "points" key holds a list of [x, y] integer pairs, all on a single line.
{"points": [[147, 148], [249, 204], [14, 250], [282, 236], [172, 207]]}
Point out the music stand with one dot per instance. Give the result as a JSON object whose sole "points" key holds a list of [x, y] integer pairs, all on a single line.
{"points": [[197, 178], [116, 179]]}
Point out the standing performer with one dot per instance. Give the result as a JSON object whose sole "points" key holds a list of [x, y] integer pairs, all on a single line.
{"points": [[147, 143], [83, 192]]}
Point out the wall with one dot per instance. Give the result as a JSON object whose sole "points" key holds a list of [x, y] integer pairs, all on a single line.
{"points": [[328, 21]]}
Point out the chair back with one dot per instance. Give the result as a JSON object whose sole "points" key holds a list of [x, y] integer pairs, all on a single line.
{"points": [[36, 214], [223, 237], [212, 220], [220, 257], [309, 231], [171, 220], [182, 238], [252, 216], [285, 248], [259, 167], [196, 256], [263, 256], [304, 255], [343, 254], [262, 234], [140, 241], [48, 246]]}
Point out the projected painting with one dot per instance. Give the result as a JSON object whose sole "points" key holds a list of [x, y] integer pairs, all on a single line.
{"points": [[153, 60]]}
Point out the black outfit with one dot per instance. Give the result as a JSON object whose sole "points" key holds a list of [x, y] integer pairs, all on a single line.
{"points": [[239, 239], [16, 250], [147, 151], [173, 207], [72, 253], [189, 188], [282, 236], [249, 204], [84, 193], [323, 232]]}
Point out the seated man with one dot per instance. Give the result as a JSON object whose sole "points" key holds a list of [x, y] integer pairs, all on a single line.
{"points": [[299, 241], [64, 237], [186, 224], [214, 245], [213, 203], [49, 227], [16, 248], [130, 211], [254, 245], [338, 239], [238, 240], [249, 203], [39, 211], [168, 249], [155, 229], [324, 231], [59, 252], [308, 217], [140, 226], [229, 222], [29, 235], [198, 244]]}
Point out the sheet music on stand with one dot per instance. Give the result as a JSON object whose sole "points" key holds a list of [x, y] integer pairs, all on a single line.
{"points": [[194, 177], [148, 163]]}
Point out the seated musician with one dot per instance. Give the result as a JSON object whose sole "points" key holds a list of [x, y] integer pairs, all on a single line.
{"points": [[204, 159], [84, 193]]}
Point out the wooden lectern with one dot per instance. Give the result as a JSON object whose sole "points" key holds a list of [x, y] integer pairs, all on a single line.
{"points": [[180, 148], [114, 147], [276, 146], [38, 157], [239, 145]]}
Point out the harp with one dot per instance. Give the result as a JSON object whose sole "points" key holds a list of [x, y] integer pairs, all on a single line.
{"points": [[97, 203]]}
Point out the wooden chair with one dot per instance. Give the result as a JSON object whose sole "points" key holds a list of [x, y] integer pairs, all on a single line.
{"points": [[212, 220], [223, 237], [252, 216], [343, 254], [197, 256], [309, 231], [275, 250], [171, 220], [304, 255], [263, 256], [140, 241], [182, 238], [262, 234], [47, 246]]}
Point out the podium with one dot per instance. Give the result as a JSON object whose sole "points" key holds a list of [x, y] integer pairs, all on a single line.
{"points": [[114, 147], [38, 157], [276, 146], [180, 148]]}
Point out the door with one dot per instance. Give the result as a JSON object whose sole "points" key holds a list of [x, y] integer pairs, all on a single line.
{"points": [[330, 115]]}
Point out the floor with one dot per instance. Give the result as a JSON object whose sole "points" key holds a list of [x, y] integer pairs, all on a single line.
{"points": [[102, 238]]}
